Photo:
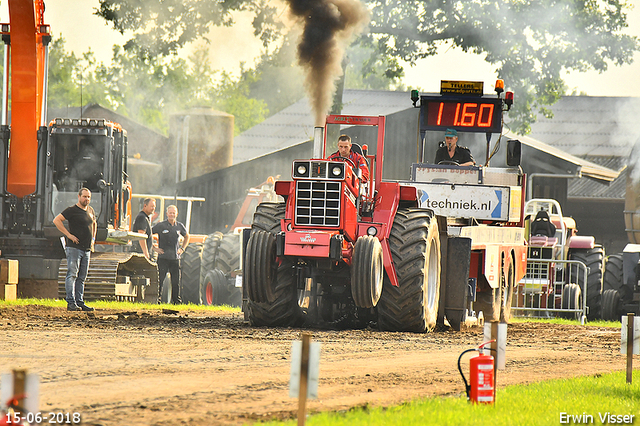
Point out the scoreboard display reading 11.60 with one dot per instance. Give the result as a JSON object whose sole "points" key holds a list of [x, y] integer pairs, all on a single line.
{"points": [[467, 114]]}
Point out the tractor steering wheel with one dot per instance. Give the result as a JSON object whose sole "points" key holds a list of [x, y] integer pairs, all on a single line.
{"points": [[345, 159], [449, 163]]}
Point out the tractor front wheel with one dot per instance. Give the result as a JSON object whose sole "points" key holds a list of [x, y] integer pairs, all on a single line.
{"points": [[366, 272], [214, 288], [611, 305], [415, 249], [571, 299]]}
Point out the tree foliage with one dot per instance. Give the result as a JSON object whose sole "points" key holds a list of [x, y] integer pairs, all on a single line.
{"points": [[532, 43], [149, 88], [161, 27]]}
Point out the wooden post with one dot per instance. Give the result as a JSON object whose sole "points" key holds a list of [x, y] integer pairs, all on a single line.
{"points": [[630, 327], [304, 375]]}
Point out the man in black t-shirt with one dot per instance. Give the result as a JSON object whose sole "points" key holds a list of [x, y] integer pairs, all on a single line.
{"points": [[80, 238], [142, 224], [450, 151], [169, 250]]}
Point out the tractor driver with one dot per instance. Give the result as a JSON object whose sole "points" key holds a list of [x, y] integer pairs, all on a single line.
{"points": [[344, 151], [451, 152]]}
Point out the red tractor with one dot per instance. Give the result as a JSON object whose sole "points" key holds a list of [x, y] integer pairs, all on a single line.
{"points": [[342, 252]]}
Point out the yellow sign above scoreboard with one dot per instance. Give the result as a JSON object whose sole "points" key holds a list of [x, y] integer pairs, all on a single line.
{"points": [[448, 87]]}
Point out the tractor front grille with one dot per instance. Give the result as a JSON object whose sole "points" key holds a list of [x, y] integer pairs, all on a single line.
{"points": [[317, 203]]}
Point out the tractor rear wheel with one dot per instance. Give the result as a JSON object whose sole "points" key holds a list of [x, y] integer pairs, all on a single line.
{"points": [[571, 299], [507, 288], [415, 249], [228, 260], [611, 305], [366, 272], [612, 279], [594, 259], [267, 217], [209, 252], [190, 263], [167, 292]]}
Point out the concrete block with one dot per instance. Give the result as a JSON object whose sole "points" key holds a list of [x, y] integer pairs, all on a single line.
{"points": [[8, 291], [8, 271]]}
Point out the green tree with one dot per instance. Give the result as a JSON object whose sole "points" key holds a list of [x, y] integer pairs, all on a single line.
{"points": [[163, 26], [72, 80], [532, 43]]}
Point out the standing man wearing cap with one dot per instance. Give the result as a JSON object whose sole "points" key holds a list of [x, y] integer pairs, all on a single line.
{"points": [[450, 151]]}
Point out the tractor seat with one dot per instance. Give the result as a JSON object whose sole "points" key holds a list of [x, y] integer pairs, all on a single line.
{"points": [[542, 226], [356, 148]]}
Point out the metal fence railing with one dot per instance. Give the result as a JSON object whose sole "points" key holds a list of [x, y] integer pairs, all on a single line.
{"points": [[552, 288]]}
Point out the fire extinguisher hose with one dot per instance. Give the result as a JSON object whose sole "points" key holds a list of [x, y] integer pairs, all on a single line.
{"points": [[467, 387]]}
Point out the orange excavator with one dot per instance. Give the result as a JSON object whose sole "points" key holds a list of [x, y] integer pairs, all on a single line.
{"points": [[42, 167]]}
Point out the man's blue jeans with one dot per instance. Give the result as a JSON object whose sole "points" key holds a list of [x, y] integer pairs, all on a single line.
{"points": [[77, 268]]}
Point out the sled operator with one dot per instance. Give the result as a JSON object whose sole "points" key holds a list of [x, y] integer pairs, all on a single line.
{"points": [[450, 151]]}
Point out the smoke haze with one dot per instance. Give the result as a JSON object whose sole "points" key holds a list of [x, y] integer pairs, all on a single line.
{"points": [[329, 26]]}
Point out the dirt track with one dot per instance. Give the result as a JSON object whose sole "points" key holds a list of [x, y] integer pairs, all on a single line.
{"points": [[204, 368]]}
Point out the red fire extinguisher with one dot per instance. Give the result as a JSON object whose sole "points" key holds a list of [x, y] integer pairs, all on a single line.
{"points": [[481, 386]]}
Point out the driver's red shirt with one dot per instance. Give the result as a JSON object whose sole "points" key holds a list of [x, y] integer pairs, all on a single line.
{"points": [[358, 160]]}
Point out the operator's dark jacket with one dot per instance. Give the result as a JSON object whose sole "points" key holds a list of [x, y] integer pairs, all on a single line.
{"points": [[461, 156]]}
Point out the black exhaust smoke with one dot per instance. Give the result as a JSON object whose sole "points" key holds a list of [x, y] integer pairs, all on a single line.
{"points": [[329, 26]]}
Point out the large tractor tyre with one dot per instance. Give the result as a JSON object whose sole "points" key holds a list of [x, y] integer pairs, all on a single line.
{"points": [[165, 296], [612, 279], [284, 311], [611, 305], [209, 253], [267, 217], [594, 259], [571, 299], [367, 272], [415, 250], [489, 303], [228, 260], [215, 288], [260, 267], [507, 289], [228, 257], [190, 264]]}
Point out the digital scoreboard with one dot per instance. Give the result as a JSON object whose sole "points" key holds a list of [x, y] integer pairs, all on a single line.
{"points": [[466, 114]]}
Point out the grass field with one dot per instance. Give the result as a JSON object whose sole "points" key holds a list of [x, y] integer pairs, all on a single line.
{"points": [[592, 400]]}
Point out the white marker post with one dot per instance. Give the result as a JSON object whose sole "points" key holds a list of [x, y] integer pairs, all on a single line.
{"points": [[303, 384], [630, 341], [20, 385], [496, 331]]}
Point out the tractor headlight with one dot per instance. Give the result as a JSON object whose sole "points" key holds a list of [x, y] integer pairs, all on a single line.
{"points": [[336, 170], [301, 169], [372, 231]]}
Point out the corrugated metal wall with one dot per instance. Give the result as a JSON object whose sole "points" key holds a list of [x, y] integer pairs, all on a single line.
{"points": [[225, 189]]}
